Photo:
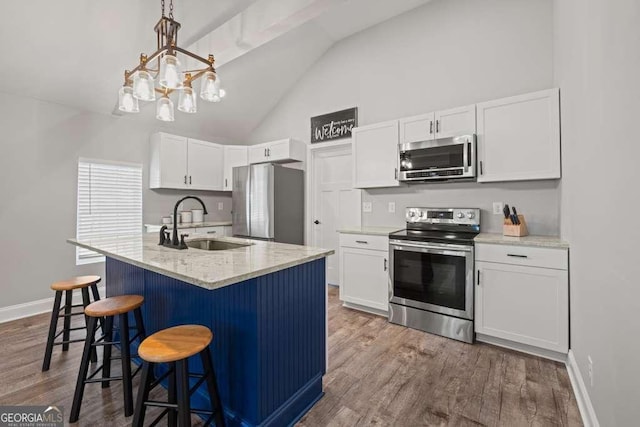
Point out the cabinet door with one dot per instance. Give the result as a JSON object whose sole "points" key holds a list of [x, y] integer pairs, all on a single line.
{"points": [[210, 231], [258, 154], [205, 165], [278, 151], [168, 167], [456, 122], [527, 305], [417, 128], [364, 277], [375, 155], [519, 137], [233, 156]]}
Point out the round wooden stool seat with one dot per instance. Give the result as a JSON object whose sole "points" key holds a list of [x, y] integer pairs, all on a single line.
{"points": [[114, 305], [173, 344], [75, 283]]}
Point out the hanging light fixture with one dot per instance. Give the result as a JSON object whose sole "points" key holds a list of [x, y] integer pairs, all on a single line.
{"points": [[141, 84]]}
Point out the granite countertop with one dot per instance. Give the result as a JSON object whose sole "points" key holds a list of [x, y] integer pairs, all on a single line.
{"points": [[535, 241], [371, 231], [206, 269], [195, 224]]}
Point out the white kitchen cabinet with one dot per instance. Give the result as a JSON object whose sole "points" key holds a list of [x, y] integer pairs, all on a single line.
{"points": [[281, 151], [364, 273], [519, 137], [455, 122], [375, 155], [205, 165], [168, 167], [520, 303], [217, 231], [441, 124], [184, 163], [228, 230], [234, 156]]}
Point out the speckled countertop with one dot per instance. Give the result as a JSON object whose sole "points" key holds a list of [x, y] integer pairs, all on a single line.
{"points": [[207, 269], [536, 241], [371, 231], [194, 224]]}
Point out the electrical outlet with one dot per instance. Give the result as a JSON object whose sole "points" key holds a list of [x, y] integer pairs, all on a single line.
{"points": [[220, 206], [366, 207], [497, 208], [392, 207], [590, 370]]}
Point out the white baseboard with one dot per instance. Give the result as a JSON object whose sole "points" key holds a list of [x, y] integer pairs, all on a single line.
{"points": [[523, 348], [587, 411], [27, 309]]}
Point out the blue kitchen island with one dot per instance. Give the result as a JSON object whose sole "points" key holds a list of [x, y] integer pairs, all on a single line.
{"points": [[265, 303]]}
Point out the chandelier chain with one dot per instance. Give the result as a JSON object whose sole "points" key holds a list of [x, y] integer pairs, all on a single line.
{"points": [[170, 9], [162, 5]]}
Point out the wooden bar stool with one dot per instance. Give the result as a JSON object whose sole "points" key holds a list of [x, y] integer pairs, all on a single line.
{"points": [[67, 286], [174, 346], [108, 308]]}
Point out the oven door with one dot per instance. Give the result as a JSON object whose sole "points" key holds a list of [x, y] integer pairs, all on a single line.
{"points": [[437, 159], [437, 277]]}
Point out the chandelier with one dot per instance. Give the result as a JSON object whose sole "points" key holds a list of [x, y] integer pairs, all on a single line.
{"points": [[142, 83]]}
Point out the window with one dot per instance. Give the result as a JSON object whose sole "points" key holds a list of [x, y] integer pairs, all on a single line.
{"points": [[109, 203]]}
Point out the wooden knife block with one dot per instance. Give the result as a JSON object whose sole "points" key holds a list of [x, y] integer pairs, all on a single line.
{"points": [[520, 230]]}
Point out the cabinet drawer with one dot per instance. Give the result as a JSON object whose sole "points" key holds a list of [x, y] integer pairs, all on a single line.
{"points": [[523, 255], [210, 231], [364, 241]]}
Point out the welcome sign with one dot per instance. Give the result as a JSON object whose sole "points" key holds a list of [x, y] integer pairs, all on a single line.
{"points": [[333, 125]]}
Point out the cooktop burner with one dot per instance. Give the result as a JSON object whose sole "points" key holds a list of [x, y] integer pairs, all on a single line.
{"points": [[434, 236], [445, 225]]}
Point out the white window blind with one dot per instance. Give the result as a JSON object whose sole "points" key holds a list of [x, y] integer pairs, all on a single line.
{"points": [[109, 203]]}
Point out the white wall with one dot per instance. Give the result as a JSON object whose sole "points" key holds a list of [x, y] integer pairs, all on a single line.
{"points": [[597, 67], [41, 143], [445, 54]]}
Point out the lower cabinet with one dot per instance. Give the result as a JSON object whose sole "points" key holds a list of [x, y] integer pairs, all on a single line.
{"points": [[521, 303], [364, 274]]}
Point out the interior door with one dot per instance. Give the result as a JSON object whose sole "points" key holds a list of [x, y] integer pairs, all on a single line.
{"points": [[206, 162], [336, 204]]}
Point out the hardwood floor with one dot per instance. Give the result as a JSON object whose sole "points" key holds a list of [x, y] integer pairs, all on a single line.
{"points": [[379, 374]]}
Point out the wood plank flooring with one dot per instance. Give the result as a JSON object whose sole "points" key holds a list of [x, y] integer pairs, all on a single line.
{"points": [[379, 375]]}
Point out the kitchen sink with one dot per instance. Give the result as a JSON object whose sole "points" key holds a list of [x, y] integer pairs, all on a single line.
{"points": [[214, 244]]}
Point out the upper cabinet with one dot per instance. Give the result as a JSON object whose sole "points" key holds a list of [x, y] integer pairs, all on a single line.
{"points": [[179, 162], [234, 155], [519, 137], [375, 155], [441, 124], [282, 151]]}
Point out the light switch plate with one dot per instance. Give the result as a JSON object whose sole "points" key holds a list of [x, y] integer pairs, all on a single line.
{"points": [[392, 207], [497, 208], [220, 206], [366, 207]]}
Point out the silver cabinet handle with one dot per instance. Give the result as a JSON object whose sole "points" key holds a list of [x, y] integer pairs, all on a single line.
{"points": [[189, 179], [437, 126], [211, 232], [430, 126], [481, 170], [225, 183], [396, 173], [362, 242], [478, 277], [265, 152], [185, 179], [385, 264], [269, 152], [517, 256]]}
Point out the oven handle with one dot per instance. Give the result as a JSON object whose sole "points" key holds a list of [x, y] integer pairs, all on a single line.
{"points": [[455, 250], [465, 156]]}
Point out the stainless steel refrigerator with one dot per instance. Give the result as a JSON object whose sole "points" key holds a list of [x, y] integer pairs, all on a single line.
{"points": [[268, 203]]}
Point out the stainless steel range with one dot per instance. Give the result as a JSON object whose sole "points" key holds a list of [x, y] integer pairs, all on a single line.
{"points": [[432, 273]]}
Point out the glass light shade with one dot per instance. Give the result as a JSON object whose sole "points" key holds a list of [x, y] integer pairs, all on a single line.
{"points": [[164, 109], [187, 100], [209, 89], [143, 86], [222, 92], [170, 75], [126, 101]]}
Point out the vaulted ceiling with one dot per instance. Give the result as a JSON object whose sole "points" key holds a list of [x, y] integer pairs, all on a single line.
{"points": [[75, 52]]}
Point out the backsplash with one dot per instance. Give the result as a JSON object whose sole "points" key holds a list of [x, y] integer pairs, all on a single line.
{"points": [[159, 203], [538, 201]]}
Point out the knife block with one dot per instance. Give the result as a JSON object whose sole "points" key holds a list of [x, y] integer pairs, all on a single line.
{"points": [[520, 230]]}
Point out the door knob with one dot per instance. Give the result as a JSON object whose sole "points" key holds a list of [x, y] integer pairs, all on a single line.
{"points": [[316, 222]]}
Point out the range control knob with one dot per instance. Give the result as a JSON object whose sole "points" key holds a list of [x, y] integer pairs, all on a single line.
{"points": [[421, 214], [470, 215], [411, 214], [460, 215]]}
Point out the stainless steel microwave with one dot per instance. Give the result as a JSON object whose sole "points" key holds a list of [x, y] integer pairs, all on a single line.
{"points": [[439, 159]]}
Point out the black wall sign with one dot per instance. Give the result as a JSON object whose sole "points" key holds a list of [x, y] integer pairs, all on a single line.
{"points": [[333, 125]]}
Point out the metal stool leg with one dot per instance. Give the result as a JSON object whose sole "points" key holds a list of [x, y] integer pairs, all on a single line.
{"points": [[143, 395], [106, 362], [52, 330], [182, 380], [84, 368], [212, 387], [96, 297], [85, 302], [173, 395], [126, 364], [68, 302]]}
